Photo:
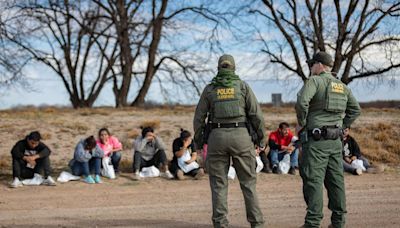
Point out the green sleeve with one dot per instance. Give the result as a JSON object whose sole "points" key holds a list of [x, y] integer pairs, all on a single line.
{"points": [[199, 119], [255, 115], [353, 110], [303, 101]]}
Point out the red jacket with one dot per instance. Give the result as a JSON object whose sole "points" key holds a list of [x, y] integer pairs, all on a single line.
{"points": [[276, 140]]}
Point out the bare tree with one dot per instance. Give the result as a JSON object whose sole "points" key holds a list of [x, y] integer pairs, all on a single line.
{"points": [[361, 35], [60, 35], [146, 33]]}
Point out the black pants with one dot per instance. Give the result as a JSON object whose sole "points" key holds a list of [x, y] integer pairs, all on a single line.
{"points": [[160, 158], [22, 172]]}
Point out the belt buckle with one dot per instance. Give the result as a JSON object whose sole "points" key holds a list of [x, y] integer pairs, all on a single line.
{"points": [[236, 124]]}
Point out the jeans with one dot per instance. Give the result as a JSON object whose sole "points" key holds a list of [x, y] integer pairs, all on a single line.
{"points": [[22, 172], [86, 168], [348, 168], [276, 157], [159, 158], [115, 159]]}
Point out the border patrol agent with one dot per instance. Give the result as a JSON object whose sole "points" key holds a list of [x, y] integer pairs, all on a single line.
{"points": [[229, 105], [324, 107]]}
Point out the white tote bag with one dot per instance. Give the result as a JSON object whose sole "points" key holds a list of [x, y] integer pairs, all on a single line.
{"points": [[108, 168], [260, 164]]}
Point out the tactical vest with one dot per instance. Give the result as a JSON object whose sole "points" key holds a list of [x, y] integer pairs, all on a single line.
{"points": [[227, 104], [335, 96]]}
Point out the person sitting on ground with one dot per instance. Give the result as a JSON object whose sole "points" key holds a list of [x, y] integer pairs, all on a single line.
{"points": [[149, 150], [87, 160], [111, 147], [281, 143], [185, 156], [351, 152], [29, 158]]}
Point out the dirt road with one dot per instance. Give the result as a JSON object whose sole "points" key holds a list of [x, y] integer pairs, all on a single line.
{"points": [[373, 200]]}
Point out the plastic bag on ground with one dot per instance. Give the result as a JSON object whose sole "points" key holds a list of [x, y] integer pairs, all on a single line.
{"points": [[36, 180], [284, 165], [151, 171], [358, 164], [231, 173], [108, 168], [66, 176], [260, 164]]}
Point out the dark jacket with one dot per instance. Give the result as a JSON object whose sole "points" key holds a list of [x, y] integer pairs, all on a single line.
{"points": [[22, 149], [351, 148]]}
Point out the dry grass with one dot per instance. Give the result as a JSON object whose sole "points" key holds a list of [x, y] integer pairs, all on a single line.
{"points": [[155, 124]]}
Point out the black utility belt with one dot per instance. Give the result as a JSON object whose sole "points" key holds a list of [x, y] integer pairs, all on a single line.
{"points": [[326, 132], [228, 125]]}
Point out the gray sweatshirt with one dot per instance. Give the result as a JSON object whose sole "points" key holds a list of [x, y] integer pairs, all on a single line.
{"points": [[82, 155], [148, 148]]}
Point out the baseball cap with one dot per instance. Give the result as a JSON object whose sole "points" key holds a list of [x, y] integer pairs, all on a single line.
{"points": [[226, 61], [321, 57]]}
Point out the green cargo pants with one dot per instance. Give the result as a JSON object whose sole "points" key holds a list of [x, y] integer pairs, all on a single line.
{"points": [[321, 162], [224, 143]]}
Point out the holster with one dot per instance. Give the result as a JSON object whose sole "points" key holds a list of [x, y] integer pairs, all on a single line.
{"points": [[206, 132], [326, 132], [252, 133]]}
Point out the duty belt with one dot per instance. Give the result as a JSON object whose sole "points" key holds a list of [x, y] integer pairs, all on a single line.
{"points": [[325, 132], [228, 125]]}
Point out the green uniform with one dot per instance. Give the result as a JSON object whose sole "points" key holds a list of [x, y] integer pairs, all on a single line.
{"points": [[324, 101], [228, 105]]}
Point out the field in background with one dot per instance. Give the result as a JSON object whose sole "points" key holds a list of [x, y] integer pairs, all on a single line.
{"points": [[377, 130]]}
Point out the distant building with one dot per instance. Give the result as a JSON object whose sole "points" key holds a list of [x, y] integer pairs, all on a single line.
{"points": [[277, 99]]}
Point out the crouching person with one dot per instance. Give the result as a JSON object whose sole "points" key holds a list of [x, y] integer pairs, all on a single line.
{"points": [[87, 160], [149, 150], [185, 156], [30, 157]]}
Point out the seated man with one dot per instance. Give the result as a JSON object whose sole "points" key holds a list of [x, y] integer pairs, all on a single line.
{"points": [[149, 150], [351, 152], [29, 158], [281, 142]]}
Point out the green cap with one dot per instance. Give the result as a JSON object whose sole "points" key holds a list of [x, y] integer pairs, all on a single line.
{"points": [[226, 62], [321, 57]]}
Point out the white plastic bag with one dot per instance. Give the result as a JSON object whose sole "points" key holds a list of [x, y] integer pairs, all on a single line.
{"points": [[284, 165], [66, 176], [358, 164], [36, 180], [108, 168], [231, 173], [187, 167], [151, 171], [260, 164]]}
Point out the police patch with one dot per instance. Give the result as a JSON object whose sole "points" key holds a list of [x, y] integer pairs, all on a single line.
{"points": [[337, 87], [225, 93]]}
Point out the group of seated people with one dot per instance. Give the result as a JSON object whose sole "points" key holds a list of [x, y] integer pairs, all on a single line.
{"points": [[30, 156]]}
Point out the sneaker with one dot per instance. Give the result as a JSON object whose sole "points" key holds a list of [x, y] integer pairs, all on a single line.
{"points": [[199, 174], [97, 179], [89, 180], [16, 183], [167, 174], [136, 176], [180, 175], [36, 180], [49, 181], [292, 170], [275, 169], [357, 172]]}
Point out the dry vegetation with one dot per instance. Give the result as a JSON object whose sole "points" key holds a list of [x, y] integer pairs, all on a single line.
{"points": [[377, 130]]}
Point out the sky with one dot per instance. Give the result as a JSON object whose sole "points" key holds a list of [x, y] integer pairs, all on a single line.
{"points": [[45, 88]]}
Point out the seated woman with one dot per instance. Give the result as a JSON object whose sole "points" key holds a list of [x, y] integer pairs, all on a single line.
{"points": [[184, 160], [111, 147], [87, 160]]}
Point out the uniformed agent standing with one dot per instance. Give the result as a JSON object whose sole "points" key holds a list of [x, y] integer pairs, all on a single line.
{"points": [[324, 107], [227, 103]]}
